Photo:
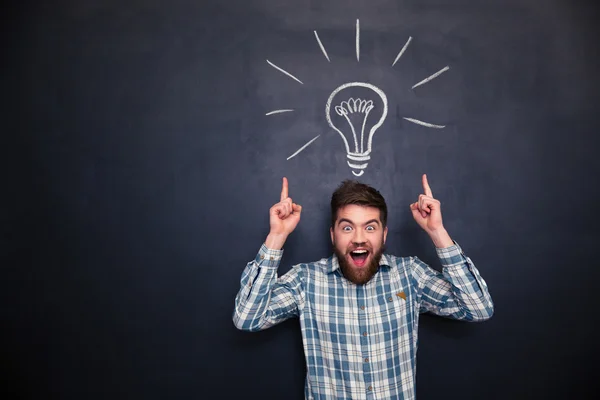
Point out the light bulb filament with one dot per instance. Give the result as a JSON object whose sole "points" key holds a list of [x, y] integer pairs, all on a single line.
{"points": [[360, 109]]}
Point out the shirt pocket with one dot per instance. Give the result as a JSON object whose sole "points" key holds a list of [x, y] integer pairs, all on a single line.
{"points": [[394, 311]]}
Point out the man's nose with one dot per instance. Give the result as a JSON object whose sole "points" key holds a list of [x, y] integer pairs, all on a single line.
{"points": [[359, 239]]}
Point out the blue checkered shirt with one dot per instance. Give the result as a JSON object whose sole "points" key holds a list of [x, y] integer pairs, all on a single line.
{"points": [[360, 341]]}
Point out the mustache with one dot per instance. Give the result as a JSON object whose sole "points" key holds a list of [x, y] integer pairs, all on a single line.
{"points": [[356, 246]]}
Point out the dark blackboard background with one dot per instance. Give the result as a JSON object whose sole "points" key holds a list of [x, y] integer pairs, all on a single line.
{"points": [[139, 168]]}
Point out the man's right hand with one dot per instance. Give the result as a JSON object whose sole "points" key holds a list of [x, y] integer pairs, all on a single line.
{"points": [[284, 217]]}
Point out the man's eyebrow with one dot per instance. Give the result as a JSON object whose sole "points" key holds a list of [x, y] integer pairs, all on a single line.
{"points": [[345, 220], [374, 220]]}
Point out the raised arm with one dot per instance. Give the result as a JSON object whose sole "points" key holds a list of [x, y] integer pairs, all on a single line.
{"points": [[264, 299], [458, 291]]}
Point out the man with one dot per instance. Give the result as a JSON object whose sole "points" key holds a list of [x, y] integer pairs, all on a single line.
{"points": [[359, 309]]}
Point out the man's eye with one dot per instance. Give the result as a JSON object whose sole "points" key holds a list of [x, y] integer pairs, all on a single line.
{"points": [[370, 228], [346, 229]]}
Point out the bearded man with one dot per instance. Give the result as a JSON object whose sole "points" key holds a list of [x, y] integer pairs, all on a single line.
{"points": [[359, 309]]}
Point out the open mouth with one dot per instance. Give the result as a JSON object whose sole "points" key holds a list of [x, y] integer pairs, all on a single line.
{"points": [[359, 257]]}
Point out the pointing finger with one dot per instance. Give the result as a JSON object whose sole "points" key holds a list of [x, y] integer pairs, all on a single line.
{"points": [[426, 187], [284, 189]]}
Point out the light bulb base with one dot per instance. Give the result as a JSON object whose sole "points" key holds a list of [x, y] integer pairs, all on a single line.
{"points": [[358, 162]]}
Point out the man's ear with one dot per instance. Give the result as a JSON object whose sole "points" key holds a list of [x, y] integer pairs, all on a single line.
{"points": [[331, 234], [385, 234]]}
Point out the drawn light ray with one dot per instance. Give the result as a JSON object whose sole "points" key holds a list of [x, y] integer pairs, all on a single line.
{"points": [[426, 124], [424, 81], [322, 47], [304, 147], [285, 72], [402, 51], [357, 40], [278, 111]]}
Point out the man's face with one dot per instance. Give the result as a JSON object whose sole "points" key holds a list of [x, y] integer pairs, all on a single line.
{"points": [[358, 238]]}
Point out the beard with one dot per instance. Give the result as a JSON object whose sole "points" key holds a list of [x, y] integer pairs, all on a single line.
{"points": [[362, 275]]}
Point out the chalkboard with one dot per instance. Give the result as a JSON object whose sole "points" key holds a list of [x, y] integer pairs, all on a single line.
{"points": [[146, 140]]}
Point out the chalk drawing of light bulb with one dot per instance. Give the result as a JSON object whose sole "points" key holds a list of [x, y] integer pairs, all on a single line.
{"points": [[357, 120], [356, 110]]}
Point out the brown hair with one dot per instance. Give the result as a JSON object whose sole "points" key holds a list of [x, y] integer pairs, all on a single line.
{"points": [[354, 192]]}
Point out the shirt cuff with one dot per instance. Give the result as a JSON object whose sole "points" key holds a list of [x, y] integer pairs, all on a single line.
{"points": [[451, 256], [268, 257]]}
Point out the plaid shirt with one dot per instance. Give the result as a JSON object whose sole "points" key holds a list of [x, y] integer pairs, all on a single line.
{"points": [[360, 341]]}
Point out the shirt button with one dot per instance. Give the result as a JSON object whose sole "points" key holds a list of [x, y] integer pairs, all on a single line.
{"points": [[362, 307], [272, 258], [390, 299], [262, 257], [370, 387], [367, 359], [364, 333]]}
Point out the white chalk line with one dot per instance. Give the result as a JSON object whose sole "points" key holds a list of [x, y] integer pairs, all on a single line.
{"points": [[305, 146], [285, 72], [322, 47], [424, 81], [357, 40], [403, 50], [278, 111], [426, 124]]}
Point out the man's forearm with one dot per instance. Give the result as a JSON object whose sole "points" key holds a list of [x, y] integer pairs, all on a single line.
{"points": [[275, 242], [441, 239]]}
